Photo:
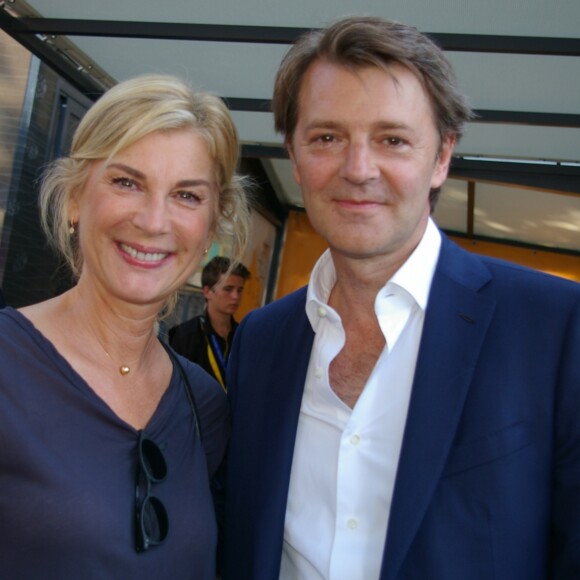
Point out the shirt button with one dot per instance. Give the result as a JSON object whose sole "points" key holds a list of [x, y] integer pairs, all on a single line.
{"points": [[321, 312], [352, 523], [355, 439], [318, 373]]}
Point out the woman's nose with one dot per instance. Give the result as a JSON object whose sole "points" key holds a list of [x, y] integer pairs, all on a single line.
{"points": [[152, 216]]}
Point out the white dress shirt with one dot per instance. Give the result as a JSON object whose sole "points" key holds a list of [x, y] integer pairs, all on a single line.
{"points": [[345, 460]]}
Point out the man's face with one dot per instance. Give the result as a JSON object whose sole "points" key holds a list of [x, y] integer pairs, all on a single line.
{"points": [[226, 295], [366, 153]]}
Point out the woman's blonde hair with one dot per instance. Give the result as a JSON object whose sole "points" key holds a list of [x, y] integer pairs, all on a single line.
{"points": [[126, 113]]}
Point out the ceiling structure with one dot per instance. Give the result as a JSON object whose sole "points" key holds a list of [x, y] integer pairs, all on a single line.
{"points": [[516, 172]]}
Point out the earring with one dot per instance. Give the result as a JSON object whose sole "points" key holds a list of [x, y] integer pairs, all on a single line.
{"points": [[205, 252], [72, 229]]}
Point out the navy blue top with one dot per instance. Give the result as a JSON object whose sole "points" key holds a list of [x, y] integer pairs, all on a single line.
{"points": [[67, 470]]}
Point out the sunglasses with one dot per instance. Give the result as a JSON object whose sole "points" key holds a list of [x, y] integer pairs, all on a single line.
{"points": [[151, 521]]}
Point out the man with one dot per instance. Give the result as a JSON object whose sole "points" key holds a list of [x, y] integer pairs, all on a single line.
{"points": [[415, 412], [207, 338]]}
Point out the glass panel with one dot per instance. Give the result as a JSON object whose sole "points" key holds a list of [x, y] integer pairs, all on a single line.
{"points": [[14, 66]]}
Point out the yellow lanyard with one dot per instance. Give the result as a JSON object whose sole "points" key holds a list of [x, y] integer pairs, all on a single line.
{"points": [[214, 365]]}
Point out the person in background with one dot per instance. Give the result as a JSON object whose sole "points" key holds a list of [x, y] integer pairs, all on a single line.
{"points": [[207, 339], [103, 473], [414, 412]]}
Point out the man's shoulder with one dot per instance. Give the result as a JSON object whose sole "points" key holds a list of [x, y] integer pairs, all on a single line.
{"points": [[187, 327], [290, 305], [499, 274], [287, 314], [524, 284]]}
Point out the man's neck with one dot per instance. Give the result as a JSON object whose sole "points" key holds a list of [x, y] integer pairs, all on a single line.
{"points": [[359, 280], [220, 322]]}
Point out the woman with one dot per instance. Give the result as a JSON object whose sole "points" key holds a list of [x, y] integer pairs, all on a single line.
{"points": [[102, 471]]}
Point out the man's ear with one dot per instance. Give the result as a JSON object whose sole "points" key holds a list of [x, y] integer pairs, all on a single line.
{"points": [[443, 160], [206, 290]]}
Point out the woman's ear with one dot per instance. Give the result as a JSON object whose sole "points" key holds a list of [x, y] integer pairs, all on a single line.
{"points": [[73, 208], [72, 213]]}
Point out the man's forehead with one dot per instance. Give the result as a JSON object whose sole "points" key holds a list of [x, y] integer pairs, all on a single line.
{"points": [[231, 280]]}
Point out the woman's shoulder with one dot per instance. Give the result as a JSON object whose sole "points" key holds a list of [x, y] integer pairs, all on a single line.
{"points": [[209, 397], [15, 328], [202, 383], [212, 411]]}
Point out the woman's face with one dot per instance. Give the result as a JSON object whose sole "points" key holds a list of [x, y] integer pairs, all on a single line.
{"points": [[146, 218]]}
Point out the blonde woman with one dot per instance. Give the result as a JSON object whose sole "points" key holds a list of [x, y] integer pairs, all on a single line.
{"points": [[108, 438]]}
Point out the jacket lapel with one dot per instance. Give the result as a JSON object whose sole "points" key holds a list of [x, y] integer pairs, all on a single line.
{"points": [[456, 322], [281, 391]]}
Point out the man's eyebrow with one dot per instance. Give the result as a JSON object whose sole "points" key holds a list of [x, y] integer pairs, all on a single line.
{"points": [[320, 124], [393, 125], [389, 125]]}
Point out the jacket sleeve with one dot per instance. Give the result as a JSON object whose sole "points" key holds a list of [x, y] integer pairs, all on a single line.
{"points": [[566, 477]]}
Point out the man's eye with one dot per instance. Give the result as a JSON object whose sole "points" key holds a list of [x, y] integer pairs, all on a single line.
{"points": [[323, 139], [394, 141]]}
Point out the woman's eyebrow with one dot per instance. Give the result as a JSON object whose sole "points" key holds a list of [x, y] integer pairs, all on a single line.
{"points": [[128, 169], [140, 175]]}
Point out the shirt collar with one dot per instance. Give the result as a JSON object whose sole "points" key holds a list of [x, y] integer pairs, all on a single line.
{"points": [[416, 273], [414, 276]]}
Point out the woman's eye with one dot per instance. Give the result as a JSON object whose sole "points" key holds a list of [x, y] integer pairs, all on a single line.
{"points": [[189, 196], [125, 182]]}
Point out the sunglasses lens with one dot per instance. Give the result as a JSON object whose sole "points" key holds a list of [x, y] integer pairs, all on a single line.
{"points": [[154, 520], [152, 461]]}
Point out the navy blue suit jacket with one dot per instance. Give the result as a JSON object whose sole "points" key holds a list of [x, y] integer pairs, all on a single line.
{"points": [[488, 482]]}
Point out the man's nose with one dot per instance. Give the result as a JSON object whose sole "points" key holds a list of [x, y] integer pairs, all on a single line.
{"points": [[359, 163]]}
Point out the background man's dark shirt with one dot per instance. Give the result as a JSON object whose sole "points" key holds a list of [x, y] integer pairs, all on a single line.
{"points": [[194, 337]]}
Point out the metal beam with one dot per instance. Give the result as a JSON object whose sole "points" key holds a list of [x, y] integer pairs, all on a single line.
{"points": [[507, 44], [470, 208], [280, 35], [481, 115], [527, 118], [553, 177], [158, 30], [81, 78]]}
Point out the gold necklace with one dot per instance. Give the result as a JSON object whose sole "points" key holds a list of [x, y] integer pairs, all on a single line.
{"points": [[124, 370]]}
